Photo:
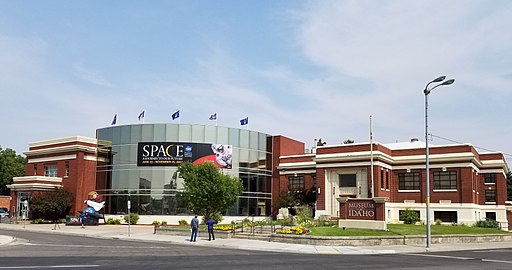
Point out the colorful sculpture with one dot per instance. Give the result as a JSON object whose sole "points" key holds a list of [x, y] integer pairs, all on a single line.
{"points": [[90, 215]]}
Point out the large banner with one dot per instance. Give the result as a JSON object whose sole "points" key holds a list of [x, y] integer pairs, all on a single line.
{"points": [[173, 154]]}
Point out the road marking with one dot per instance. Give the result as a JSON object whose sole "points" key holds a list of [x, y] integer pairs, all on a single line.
{"points": [[460, 258], [442, 256], [89, 246], [498, 261], [48, 266]]}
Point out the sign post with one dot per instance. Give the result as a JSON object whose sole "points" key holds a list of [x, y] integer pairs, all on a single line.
{"points": [[129, 205]]}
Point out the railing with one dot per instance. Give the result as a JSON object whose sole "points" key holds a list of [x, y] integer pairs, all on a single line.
{"points": [[248, 225]]}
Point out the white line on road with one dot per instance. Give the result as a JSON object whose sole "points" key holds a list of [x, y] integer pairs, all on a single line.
{"points": [[442, 256], [48, 266], [460, 258]]}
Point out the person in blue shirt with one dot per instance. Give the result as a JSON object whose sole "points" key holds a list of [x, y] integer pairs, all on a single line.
{"points": [[194, 223], [210, 223]]}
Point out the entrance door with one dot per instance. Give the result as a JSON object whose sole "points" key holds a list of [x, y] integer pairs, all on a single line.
{"points": [[23, 207]]}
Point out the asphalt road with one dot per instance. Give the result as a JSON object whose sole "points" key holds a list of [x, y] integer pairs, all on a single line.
{"points": [[48, 251]]}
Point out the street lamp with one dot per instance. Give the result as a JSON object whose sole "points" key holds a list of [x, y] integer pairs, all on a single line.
{"points": [[427, 91]]}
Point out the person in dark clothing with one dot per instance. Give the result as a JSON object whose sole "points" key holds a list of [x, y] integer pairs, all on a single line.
{"points": [[194, 224], [210, 223]]}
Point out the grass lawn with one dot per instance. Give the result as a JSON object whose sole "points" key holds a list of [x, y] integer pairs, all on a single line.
{"points": [[403, 229]]}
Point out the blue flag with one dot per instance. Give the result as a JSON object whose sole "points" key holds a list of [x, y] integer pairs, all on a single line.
{"points": [[213, 116], [175, 115], [114, 121], [141, 115], [244, 121]]}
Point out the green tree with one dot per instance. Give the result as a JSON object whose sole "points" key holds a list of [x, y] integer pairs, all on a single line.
{"points": [[11, 165], [51, 205], [509, 186], [207, 190]]}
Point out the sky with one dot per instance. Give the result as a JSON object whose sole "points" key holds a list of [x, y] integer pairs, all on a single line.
{"points": [[303, 69]]}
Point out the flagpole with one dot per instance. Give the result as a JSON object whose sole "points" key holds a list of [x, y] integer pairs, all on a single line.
{"points": [[371, 158]]}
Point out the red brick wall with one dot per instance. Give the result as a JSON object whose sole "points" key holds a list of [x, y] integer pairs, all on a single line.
{"points": [[282, 146], [5, 202]]}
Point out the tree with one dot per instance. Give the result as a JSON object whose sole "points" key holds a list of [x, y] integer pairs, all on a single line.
{"points": [[11, 165], [207, 190], [51, 205], [509, 186], [348, 141]]}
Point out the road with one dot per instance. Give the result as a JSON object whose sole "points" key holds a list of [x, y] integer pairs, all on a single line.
{"points": [[47, 251]]}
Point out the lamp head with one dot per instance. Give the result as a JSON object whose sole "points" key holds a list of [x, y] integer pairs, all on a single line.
{"points": [[448, 82], [439, 79]]}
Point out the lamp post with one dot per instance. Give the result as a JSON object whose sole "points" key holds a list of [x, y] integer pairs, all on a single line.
{"points": [[426, 92]]}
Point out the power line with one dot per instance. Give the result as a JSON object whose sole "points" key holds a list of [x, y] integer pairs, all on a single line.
{"points": [[477, 147]]}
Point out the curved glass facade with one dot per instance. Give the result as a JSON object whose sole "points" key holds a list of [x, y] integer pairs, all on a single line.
{"points": [[152, 190]]}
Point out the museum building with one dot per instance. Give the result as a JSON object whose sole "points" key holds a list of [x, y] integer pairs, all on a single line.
{"points": [[139, 163]]}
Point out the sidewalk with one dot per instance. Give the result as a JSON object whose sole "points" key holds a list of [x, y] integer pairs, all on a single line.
{"points": [[145, 233]]}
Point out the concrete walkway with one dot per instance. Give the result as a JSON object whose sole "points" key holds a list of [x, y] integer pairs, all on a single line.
{"points": [[145, 233]]}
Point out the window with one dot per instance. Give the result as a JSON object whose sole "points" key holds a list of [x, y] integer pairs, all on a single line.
{"points": [[409, 181], [50, 170], [296, 183], [35, 169], [348, 180], [387, 180], [490, 215], [445, 180], [313, 178], [381, 179], [67, 168], [489, 178], [446, 216], [490, 195]]}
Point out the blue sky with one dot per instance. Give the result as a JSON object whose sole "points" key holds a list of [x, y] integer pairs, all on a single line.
{"points": [[304, 69]]}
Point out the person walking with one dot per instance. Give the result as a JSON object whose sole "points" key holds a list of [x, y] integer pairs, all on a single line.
{"points": [[210, 223], [194, 224]]}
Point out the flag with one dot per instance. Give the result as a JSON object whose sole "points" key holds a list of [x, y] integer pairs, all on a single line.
{"points": [[175, 115], [213, 116], [244, 121], [114, 121], [141, 115]]}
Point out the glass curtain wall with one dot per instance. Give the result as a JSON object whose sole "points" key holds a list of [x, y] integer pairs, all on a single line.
{"points": [[153, 190]]}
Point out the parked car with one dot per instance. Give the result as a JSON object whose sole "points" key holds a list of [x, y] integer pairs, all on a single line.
{"points": [[3, 213]]}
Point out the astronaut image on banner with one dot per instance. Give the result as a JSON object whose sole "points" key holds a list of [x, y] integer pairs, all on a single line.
{"points": [[223, 155]]}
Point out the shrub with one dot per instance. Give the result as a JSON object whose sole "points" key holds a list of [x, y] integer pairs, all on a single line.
{"points": [[182, 222], [112, 221], [409, 216], [488, 223], [38, 221], [304, 215], [155, 223], [134, 217], [438, 222], [216, 216], [164, 222]]}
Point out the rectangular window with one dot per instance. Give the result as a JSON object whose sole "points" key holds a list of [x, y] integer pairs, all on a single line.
{"points": [[409, 181], [313, 178], [490, 178], [445, 180], [490, 215], [348, 180], [35, 169], [381, 179], [446, 216], [387, 180], [50, 170], [67, 168], [295, 183], [490, 195]]}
